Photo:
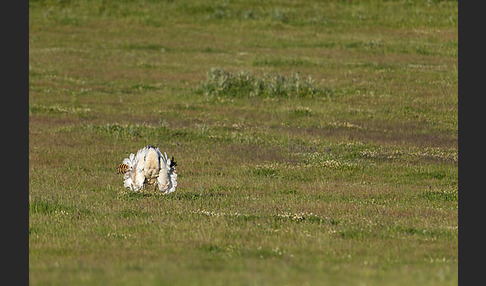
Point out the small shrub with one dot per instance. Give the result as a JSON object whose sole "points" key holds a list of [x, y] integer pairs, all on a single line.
{"points": [[243, 84]]}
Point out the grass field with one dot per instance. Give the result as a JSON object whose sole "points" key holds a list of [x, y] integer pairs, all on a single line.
{"points": [[316, 141]]}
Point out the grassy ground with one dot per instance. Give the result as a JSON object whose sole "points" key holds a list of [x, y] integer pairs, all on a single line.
{"points": [[316, 142]]}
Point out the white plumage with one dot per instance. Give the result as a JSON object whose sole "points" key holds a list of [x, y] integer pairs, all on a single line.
{"points": [[149, 167]]}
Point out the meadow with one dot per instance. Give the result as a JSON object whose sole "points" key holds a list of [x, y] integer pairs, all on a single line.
{"points": [[316, 141]]}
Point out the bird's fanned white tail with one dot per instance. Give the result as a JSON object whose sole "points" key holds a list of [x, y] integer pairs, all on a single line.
{"points": [[150, 168]]}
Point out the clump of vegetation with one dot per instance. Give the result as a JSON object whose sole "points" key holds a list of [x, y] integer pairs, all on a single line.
{"points": [[243, 84]]}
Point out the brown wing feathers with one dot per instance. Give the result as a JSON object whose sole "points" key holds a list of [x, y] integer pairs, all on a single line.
{"points": [[122, 168]]}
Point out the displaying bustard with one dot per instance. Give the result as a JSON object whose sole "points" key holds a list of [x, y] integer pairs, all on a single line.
{"points": [[149, 168]]}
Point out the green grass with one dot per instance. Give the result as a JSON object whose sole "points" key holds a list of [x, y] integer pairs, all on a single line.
{"points": [[221, 83], [316, 142]]}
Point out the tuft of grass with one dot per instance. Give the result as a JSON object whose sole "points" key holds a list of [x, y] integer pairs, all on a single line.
{"points": [[57, 109], [48, 207], [54, 207], [302, 111], [292, 62], [243, 84], [451, 195]]}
